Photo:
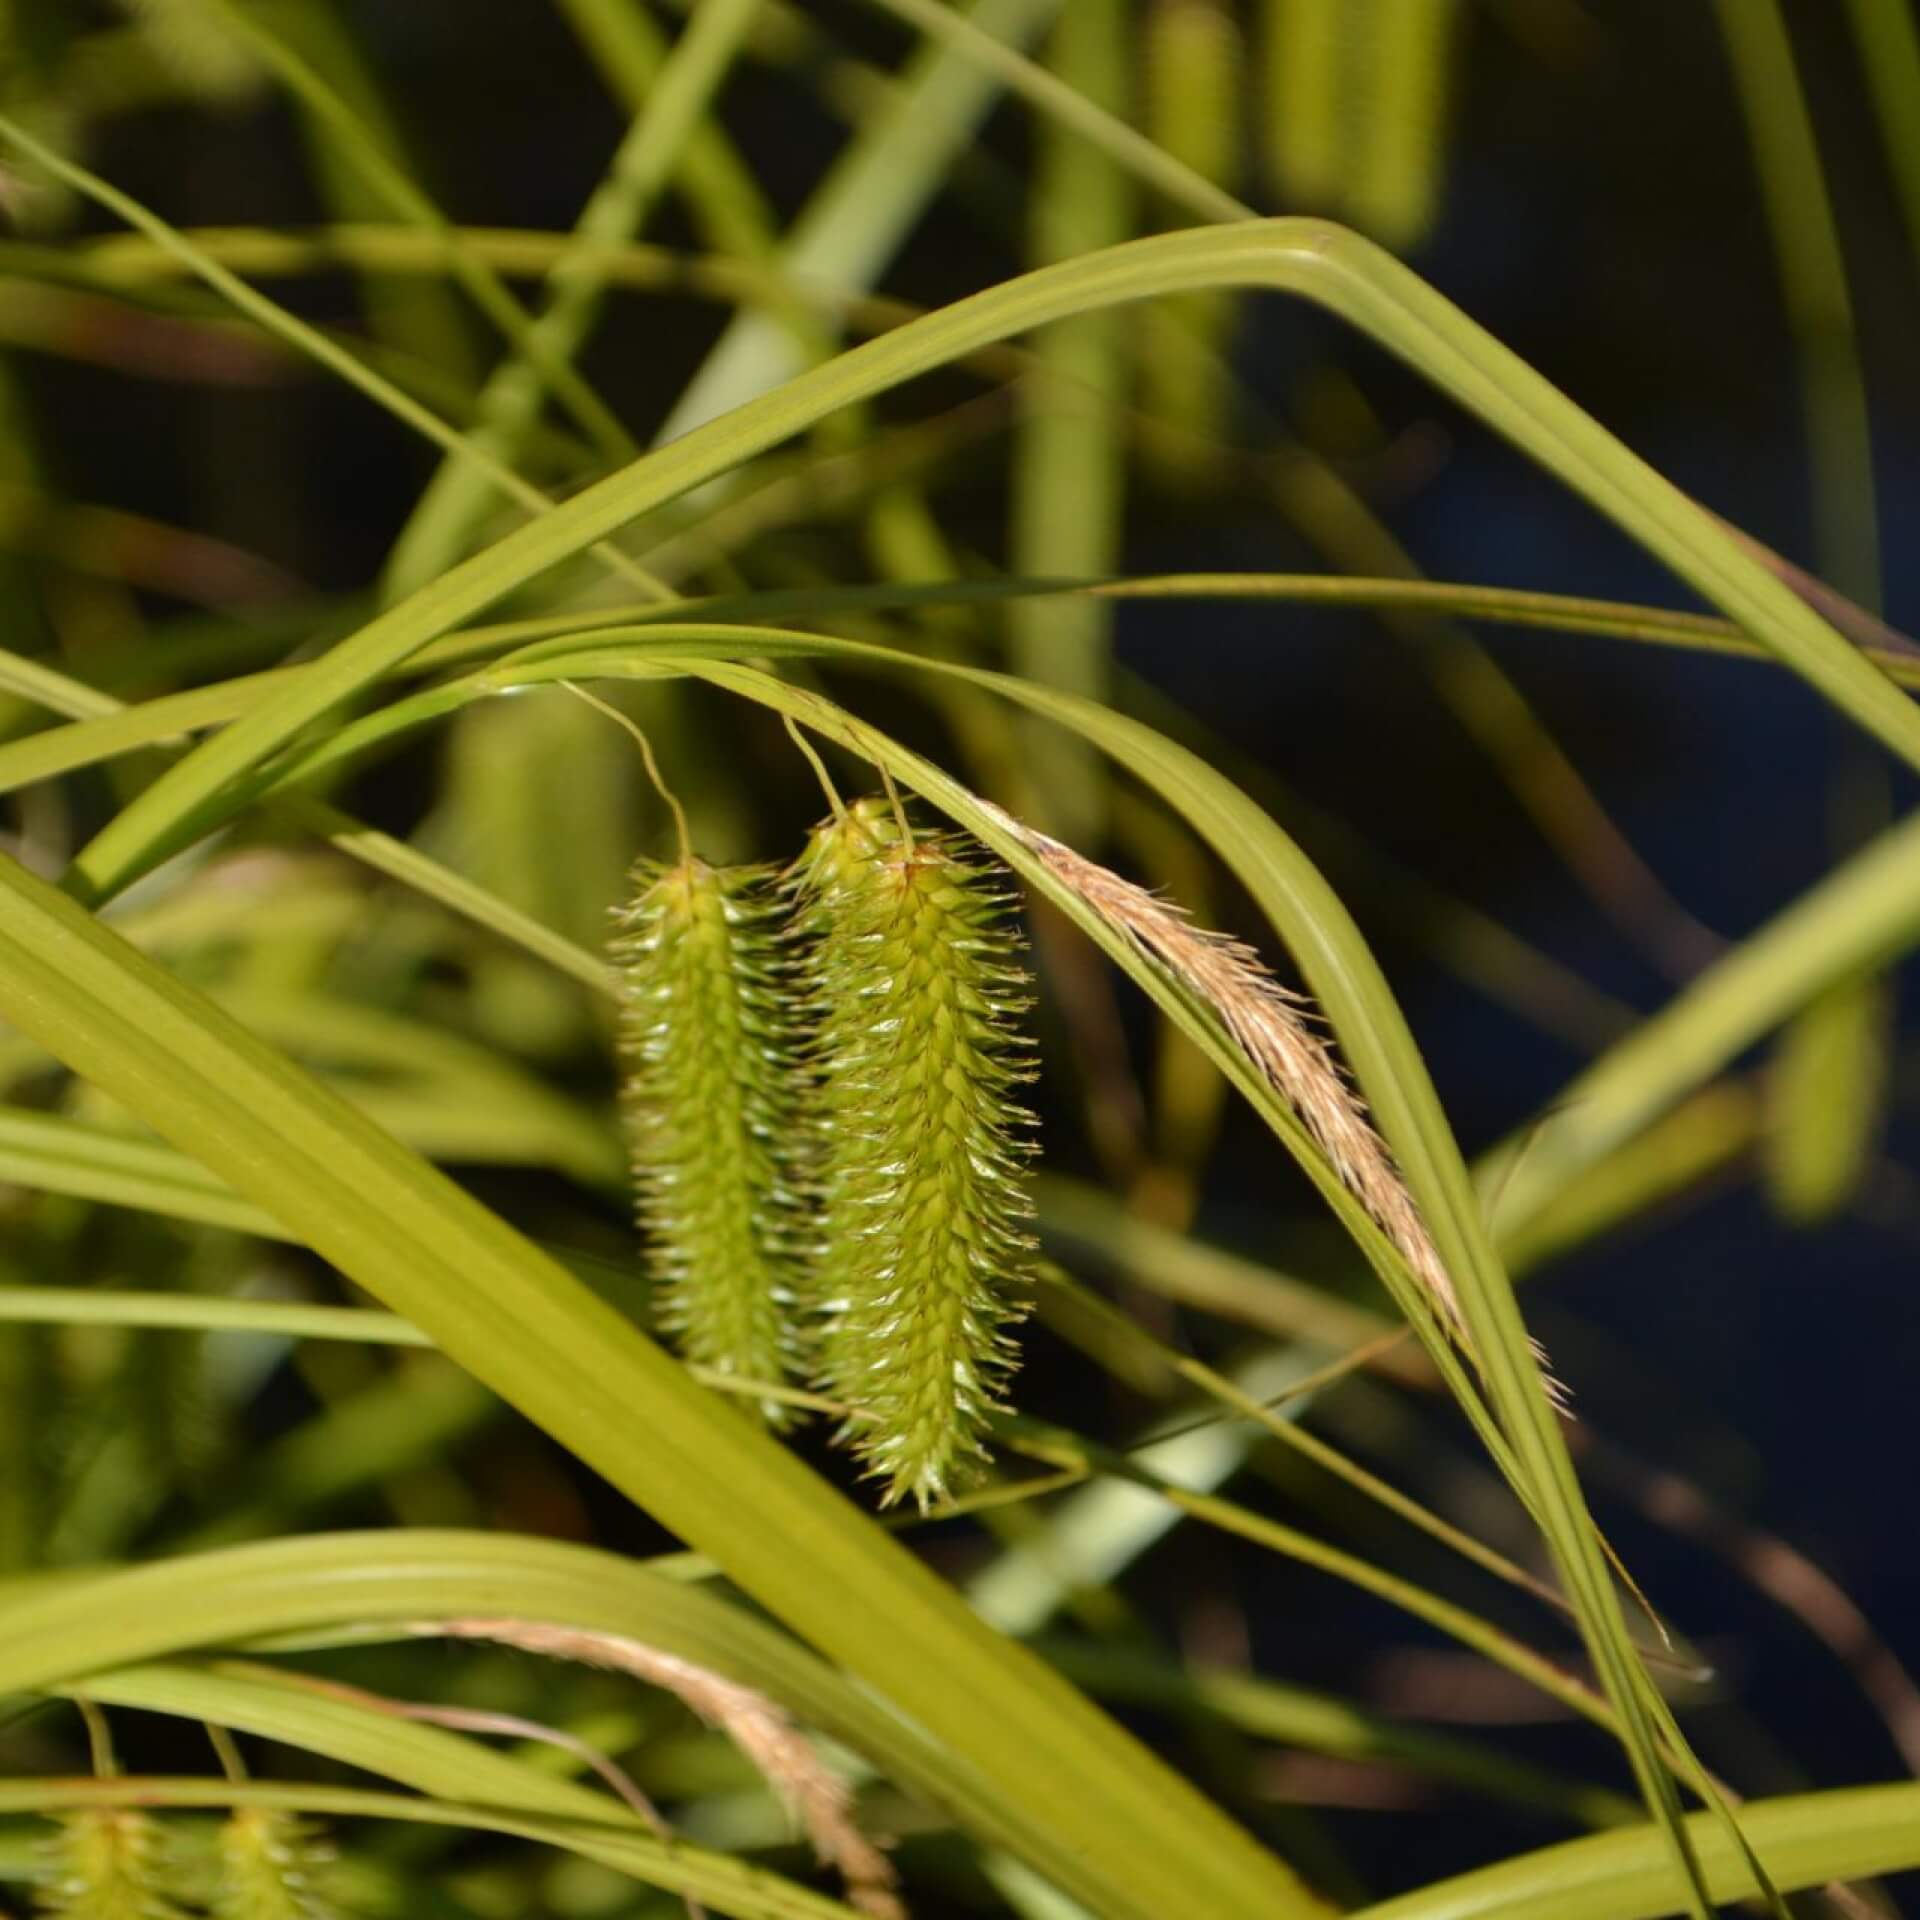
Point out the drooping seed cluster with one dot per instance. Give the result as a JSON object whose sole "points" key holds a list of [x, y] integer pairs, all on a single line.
{"points": [[109, 1861], [708, 1098], [124, 1863], [918, 1153], [829, 1154], [272, 1865]]}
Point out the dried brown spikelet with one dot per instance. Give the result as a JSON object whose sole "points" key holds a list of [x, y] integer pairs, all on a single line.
{"points": [[1270, 1026], [815, 1795]]}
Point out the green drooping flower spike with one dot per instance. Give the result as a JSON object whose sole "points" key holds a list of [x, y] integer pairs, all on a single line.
{"points": [[272, 1865], [707, 1083], [108, 1863], [917, 1157]]}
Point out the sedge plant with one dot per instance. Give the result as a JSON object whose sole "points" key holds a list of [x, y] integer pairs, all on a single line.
{"points": [[763, 1348]]}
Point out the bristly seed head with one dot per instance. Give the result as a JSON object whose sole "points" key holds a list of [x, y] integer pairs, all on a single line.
{"points": [[108, 1863], [707, 1094], [272, 1866], [918, 1148]]}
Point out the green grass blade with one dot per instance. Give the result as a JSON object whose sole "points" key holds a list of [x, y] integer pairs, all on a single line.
{"points": [[725, 199], [1335, 268], [1864, 913], [125, 729], [1067, 484], [1813, 282], [860, 214], [1302, 107], [1889, 46], [54, 1155], [110, 728], [1805, 1841], [203, 1313], [1404, 68], [272, 1705], [983, 44], [1820, 1151], [367, 1586]]}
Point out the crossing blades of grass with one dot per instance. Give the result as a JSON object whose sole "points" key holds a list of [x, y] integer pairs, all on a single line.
{"points": [[1334, 268], [1098, 1814]]}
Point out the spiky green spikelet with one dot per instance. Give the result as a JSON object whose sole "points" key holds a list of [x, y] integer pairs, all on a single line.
{"points": [[107, 1863], [919, 1165], [708, 1085], [272, 1865]]}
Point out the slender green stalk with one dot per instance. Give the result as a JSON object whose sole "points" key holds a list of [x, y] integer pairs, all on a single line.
{"points": [[1813, 279], [1405, 82], [1302, 112], [858, 216], [985, 45], [1807, 1840], [725, 199], [1191, 70], [85, 1306], [1823, 1145]]}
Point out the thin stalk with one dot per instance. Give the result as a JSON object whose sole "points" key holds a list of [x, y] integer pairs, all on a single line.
{"points": [[859, 215], [1068, 477]]}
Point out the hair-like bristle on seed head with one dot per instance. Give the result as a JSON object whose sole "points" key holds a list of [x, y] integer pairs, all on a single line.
{"points": [[708, 1080], [919, 1154]]}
